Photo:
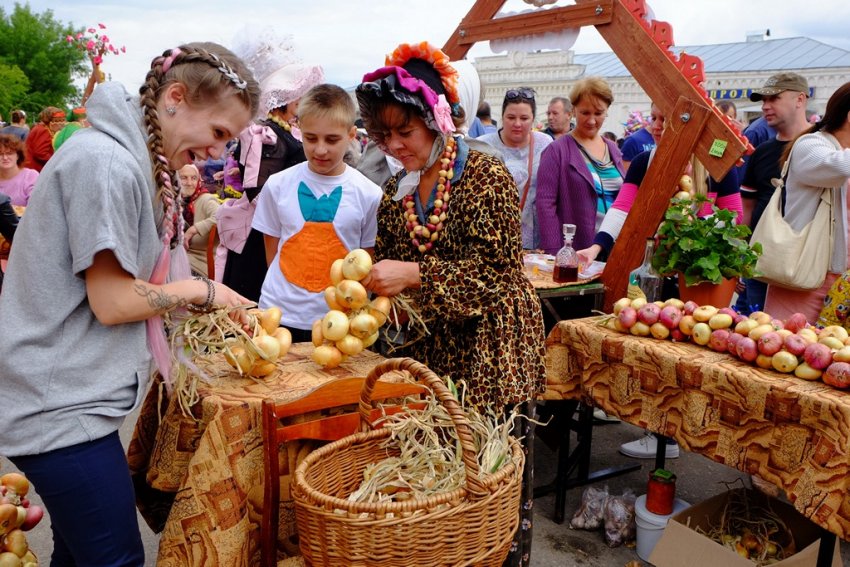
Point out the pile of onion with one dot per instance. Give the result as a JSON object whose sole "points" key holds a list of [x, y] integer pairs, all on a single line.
{"points": [[17, 515], [353, 321], [269, 343]]}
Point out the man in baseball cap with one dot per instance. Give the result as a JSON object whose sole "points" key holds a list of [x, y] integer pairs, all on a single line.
{"points": [[781, 82]]}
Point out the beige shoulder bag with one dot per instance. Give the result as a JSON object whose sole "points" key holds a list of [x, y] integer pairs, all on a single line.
{"points": [[790, 258]]}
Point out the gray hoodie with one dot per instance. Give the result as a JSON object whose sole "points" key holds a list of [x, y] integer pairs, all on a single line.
{"points": [[67, 379]]}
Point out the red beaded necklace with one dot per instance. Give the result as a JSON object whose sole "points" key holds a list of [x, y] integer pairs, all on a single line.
{"points": [[424, 237]]}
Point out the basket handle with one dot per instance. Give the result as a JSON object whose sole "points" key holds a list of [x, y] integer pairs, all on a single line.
{"points": [[424, 374]]}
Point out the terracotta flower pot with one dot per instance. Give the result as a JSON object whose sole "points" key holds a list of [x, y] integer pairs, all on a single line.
{"points": [[706, 293]]}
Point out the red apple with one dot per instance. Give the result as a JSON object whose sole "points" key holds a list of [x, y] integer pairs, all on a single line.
{"points": [[769, 343], [837, 375], [818, 356], [795, 344]]}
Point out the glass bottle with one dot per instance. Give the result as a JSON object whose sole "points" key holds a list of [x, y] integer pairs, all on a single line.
{"points": [[566, 262], [644, 281]]}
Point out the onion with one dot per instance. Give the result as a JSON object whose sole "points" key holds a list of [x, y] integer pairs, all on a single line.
{"points": [[363, 325], [330, 298], [327, 356], [16, 542], [372, 339], [270, 319], [239, 358], [336, 271], [34, 515], [9, 559], [16, 482], [351, 294], [284, 337], [335, 325], [379, 308], [268, 346], [317, 337], [357, 264], [262, 368], [350, 345]]}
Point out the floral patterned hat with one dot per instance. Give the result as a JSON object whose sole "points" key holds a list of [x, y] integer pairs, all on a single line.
{"points": [[419, 75]]}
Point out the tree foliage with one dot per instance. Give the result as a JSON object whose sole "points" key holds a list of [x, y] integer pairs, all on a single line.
{"points": [[36, 60]]}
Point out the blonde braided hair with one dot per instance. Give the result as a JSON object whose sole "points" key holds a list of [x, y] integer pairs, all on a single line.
{"points": [[209, 72]]}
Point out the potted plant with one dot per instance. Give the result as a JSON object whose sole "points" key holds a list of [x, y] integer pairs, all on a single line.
{"points": [[707, 253]]}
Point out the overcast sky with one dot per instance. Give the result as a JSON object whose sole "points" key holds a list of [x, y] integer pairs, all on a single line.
{"points": [[349, 37]]}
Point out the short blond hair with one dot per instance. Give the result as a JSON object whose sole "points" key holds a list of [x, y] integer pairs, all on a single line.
{"points": [[592, 87], [330, 102]]}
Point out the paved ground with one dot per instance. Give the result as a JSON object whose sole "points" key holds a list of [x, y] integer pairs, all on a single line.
{"points": [[554, 545]]}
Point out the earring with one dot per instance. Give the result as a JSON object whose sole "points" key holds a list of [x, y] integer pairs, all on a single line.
{"points": [[171, 110]]}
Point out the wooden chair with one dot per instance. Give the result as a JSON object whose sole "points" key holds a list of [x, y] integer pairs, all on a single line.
{"points": [[344, 393]]}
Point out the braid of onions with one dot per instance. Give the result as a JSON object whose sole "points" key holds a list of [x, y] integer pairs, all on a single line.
{"points": [[353, 321]]}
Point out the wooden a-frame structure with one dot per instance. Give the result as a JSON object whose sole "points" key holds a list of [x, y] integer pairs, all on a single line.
{"points": [[674, 82]]}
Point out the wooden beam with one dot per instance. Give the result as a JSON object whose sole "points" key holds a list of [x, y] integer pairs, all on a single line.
{"points": [[538, 21], [481, 10], [684, 127], [656, 72]]}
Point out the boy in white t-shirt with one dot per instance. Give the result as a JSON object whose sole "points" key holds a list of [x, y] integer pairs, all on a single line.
{"points": [[315, 212]]}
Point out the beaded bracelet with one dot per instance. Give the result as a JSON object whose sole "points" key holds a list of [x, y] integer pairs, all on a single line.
{"points": [[207, 306]]}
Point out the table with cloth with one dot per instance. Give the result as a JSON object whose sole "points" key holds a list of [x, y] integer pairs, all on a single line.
{"points": [[199, 478], [791, 432]]}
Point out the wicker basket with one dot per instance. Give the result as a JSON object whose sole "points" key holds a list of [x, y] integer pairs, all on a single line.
{"points": [[474, 525]]}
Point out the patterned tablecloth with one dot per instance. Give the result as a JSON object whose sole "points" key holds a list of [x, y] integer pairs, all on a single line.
{"points": [[199, 479], [791, 432]]}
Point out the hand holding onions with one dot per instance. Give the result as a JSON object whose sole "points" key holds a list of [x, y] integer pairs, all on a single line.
{"points": [[353, 321]]}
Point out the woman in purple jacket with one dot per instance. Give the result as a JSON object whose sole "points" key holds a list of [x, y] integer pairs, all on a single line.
{"points": [[581, 173]]}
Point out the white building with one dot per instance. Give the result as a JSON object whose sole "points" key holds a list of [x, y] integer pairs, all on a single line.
{"points": [[732, 70]]}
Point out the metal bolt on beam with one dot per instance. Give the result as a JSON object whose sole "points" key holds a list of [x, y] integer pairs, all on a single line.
{"points": [[685, 116]]}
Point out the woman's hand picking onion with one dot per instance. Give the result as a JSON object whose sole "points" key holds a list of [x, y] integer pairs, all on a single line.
{"points": [[391, 277]]}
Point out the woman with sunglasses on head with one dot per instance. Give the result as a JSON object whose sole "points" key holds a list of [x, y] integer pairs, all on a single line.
{"points": [[463, 264], [521, 149], [96, 264], [581, 173]]}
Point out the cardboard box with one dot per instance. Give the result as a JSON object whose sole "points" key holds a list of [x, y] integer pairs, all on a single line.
{"points": [[681, 546]]}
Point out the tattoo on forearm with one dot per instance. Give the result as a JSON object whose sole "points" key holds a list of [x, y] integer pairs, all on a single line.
{"points": [[159, 301]]}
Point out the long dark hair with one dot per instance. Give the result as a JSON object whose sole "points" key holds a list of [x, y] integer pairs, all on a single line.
{"points": [[837, 109]]}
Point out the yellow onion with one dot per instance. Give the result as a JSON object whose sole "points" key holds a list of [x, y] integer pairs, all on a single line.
{"points": [[351, 294], [9, 559], [270, 319], [16, 482], [317, 337], [262, 368], [16, 542], [284, 337], [268, 347], [239, 358], [336, 271], [334, 325], [371, 339], [350, 345], [327, 356], [363, 325], [379, 308], [357, 264], [330, 298]]}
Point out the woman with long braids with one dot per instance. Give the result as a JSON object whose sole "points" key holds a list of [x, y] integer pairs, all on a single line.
{"points": [[92, 270]]}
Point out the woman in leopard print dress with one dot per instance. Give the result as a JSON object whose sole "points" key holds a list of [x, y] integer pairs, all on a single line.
{"points": [[485, 321]]}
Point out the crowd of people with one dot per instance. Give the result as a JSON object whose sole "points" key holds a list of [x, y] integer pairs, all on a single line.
{"points": [[228, 182]]}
